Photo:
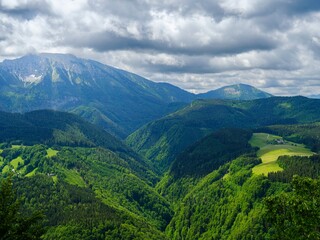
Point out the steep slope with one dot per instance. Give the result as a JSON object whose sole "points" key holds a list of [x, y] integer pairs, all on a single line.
{"points": [[202, 158], [225, 204], [86, 179], [120, 101], [213, 191], [236, 92], [161, 140], [54, 128], [211, 152], [223, 199]]}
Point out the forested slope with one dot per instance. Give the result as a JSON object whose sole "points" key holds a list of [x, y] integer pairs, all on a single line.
{"points": [[161, 140], [89, 184]]}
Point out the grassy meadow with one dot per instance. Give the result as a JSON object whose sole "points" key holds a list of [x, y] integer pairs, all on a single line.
{"points": [[270, 148]]}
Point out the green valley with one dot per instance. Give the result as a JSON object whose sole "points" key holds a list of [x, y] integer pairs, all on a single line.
{"points": [[211, 170], [162, 140]]}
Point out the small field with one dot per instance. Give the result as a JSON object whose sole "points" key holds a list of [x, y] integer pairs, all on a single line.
{"points": [[271, 147], [74, 178], [15, 162], [51, 152], [18, 162]]}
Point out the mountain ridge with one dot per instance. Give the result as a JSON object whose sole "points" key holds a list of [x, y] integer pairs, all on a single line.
{"points": [[161, 140], [122, 101], [113, 98]]}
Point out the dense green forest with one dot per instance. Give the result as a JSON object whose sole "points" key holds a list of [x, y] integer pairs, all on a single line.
{"points": [[63, 178], [84, 187], [162, 140]]}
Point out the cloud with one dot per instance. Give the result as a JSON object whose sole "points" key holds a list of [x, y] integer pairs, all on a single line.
{"points": [[24, 9], [197, 45]]}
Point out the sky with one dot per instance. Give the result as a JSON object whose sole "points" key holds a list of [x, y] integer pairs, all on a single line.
{"points": [[199, 45]]}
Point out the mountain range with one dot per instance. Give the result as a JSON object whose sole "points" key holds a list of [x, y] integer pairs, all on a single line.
{"points": [[216, 165], [115, 99]]}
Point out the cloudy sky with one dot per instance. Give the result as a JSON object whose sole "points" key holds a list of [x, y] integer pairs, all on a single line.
{"points": [[196, 45]]}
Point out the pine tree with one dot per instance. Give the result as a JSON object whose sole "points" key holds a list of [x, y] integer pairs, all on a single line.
{"points": [[13, 225]]}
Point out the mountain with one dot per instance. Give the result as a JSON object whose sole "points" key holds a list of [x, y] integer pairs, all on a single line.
{"points": [[316, 96], [236, 92], [217, 195], [161, 140], [81, 177], [115, 99]]}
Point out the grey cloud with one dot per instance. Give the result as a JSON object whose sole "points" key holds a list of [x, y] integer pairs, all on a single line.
{"points": [[126, 9], [271, 44], [110, 41], [284, 60], [26, 10], [297, 6]]}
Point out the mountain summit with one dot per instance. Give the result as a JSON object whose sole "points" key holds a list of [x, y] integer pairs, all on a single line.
{"points": [[235, 92], [115, 99]]}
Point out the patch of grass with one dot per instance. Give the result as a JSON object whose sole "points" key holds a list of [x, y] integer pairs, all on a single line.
{"points": [[261, 139], [15, 162], [269, 153], [30, 174], [17, 146], [55, 179], [6, 169], [51, 152], [285, 105], [1, 158], [73, 177], [265, 168], [23, 170]]}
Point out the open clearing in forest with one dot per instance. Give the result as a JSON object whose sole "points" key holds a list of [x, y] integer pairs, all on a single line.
{"points": [[51, 152], [270, 148]]}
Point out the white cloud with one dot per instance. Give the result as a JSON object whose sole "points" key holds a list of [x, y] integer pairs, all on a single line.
{"points": [[197, 45]]}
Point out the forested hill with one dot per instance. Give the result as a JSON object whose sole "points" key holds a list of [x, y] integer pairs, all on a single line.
{"points": [[163, 139], [88, 184], [216, 194], [53, 127], [57, 129]]}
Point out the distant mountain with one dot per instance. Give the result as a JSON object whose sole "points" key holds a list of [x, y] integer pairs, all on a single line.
{"points": [[235, 92], [162, 140], [115, 99], [316, 96]]}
